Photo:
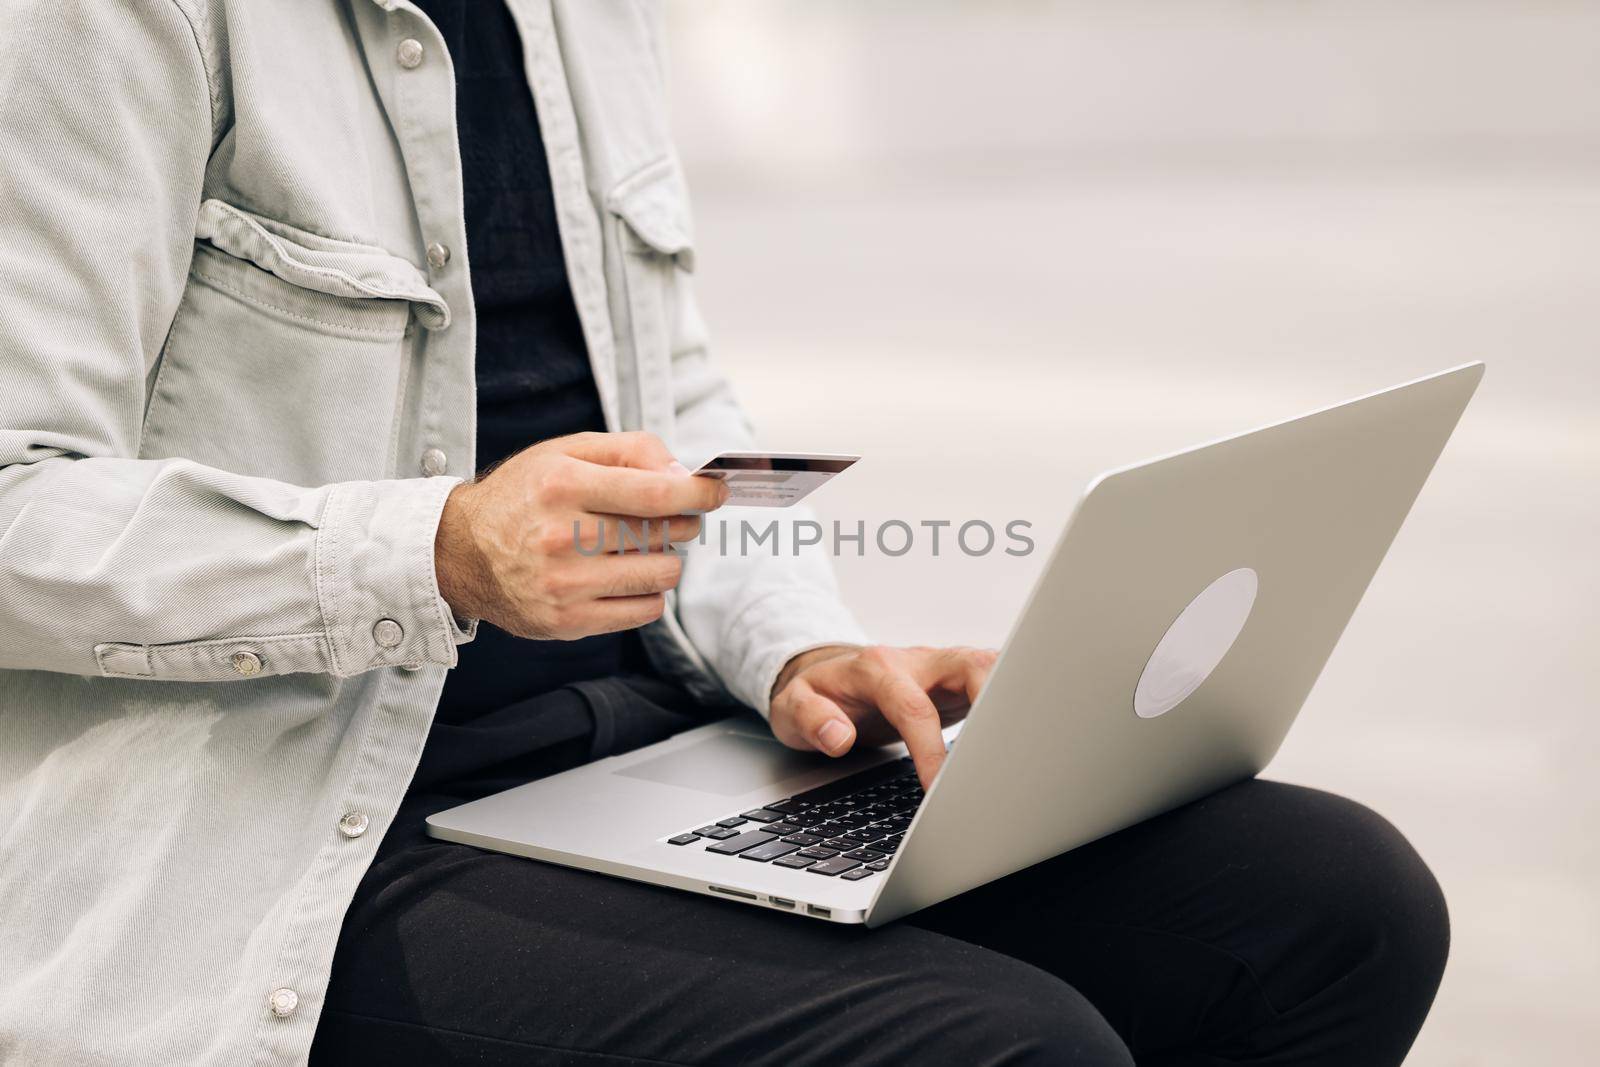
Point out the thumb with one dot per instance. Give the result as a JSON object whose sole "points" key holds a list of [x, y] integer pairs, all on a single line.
{"points": [[820, 723]]}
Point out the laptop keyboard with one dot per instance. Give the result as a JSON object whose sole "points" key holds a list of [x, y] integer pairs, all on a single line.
{"points": [[849, 828]]}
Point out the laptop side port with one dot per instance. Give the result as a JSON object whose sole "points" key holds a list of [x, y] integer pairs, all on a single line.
{"points": [[819, 911], [740, 893], [780, 902]]}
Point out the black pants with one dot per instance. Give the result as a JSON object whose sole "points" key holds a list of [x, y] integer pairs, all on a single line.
{"points": [[1267, 924]]}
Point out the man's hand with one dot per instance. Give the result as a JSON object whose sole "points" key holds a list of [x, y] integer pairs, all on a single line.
{"points": [[827, 698], [506, 551]]}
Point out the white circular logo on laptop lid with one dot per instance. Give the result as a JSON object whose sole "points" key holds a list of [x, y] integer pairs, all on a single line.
{"points": [[1195, 643]]}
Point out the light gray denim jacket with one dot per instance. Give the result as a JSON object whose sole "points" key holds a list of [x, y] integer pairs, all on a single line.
{"points": [[236, 384]]}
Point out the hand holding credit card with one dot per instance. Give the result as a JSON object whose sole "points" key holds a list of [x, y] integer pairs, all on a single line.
{"points": [[773, 479]]}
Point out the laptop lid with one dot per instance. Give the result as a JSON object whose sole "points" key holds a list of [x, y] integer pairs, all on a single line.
{"points": [[1182, 619]]}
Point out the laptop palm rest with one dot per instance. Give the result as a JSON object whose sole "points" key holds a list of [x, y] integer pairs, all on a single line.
{"points": [[728, 764]]}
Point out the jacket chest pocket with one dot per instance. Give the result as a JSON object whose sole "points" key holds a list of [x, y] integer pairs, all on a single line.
{"points": [[289, 354], [649, 212]]}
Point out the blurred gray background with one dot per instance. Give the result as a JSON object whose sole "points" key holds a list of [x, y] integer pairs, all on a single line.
{"points": [[997, 247]]}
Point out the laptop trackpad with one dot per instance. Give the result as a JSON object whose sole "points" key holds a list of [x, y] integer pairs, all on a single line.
{"points": [[727, 764]]}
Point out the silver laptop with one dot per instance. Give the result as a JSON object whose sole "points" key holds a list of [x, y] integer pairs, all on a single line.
{"points": [[1170, 641]]}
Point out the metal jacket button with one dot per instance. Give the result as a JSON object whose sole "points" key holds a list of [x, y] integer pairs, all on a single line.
{"points": [[246, 663], [434, 462], [353, 824], [387, 633], [438, 255], [409, 54], [283, 1002]]}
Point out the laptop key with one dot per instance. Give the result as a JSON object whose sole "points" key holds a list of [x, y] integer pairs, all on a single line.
{"points": [[878, 865], [803, 839], [858, 874], [716, 833], [865, 855], [770, 851], [731, 823], [762, 815], [797, 861], [683, 839], [816, 852], [789, 807], [782, 828], [839, 844], [837, 865], [852, 783], [739, 842]]}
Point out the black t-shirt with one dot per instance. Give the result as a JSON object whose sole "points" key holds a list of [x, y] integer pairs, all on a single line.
{"points": [[533, 373]]}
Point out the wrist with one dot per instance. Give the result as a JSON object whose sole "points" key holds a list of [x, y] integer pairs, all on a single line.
{"points": [[457, 561]]}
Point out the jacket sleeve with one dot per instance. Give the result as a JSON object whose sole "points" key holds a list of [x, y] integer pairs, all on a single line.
{"points": [[165, 569], [750, 608]]}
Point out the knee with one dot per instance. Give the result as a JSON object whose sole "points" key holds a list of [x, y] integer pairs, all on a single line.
{"points": [[1387, 906], [1069, 1030], [1024, 1017]]}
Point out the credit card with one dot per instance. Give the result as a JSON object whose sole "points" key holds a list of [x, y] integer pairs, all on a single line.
{"points": [[773, 479]]}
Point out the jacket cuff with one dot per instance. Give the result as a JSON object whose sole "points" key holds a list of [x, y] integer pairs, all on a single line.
{"points": [[375, 579], [774, 629]]}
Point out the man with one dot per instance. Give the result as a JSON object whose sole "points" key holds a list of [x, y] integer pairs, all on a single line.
{"points": [[278, 278]]}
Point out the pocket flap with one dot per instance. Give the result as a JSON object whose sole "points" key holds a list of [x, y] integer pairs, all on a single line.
{"points": [[338, 268], [655, 205]]}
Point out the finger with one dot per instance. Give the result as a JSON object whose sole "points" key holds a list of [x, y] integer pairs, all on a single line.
{"points": [[611, 615], [979, 665], [619, 533], [648, 494], [647, 535], [957, 670], [633, 448], [814, 721], [628, 574], [910, 711]]}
